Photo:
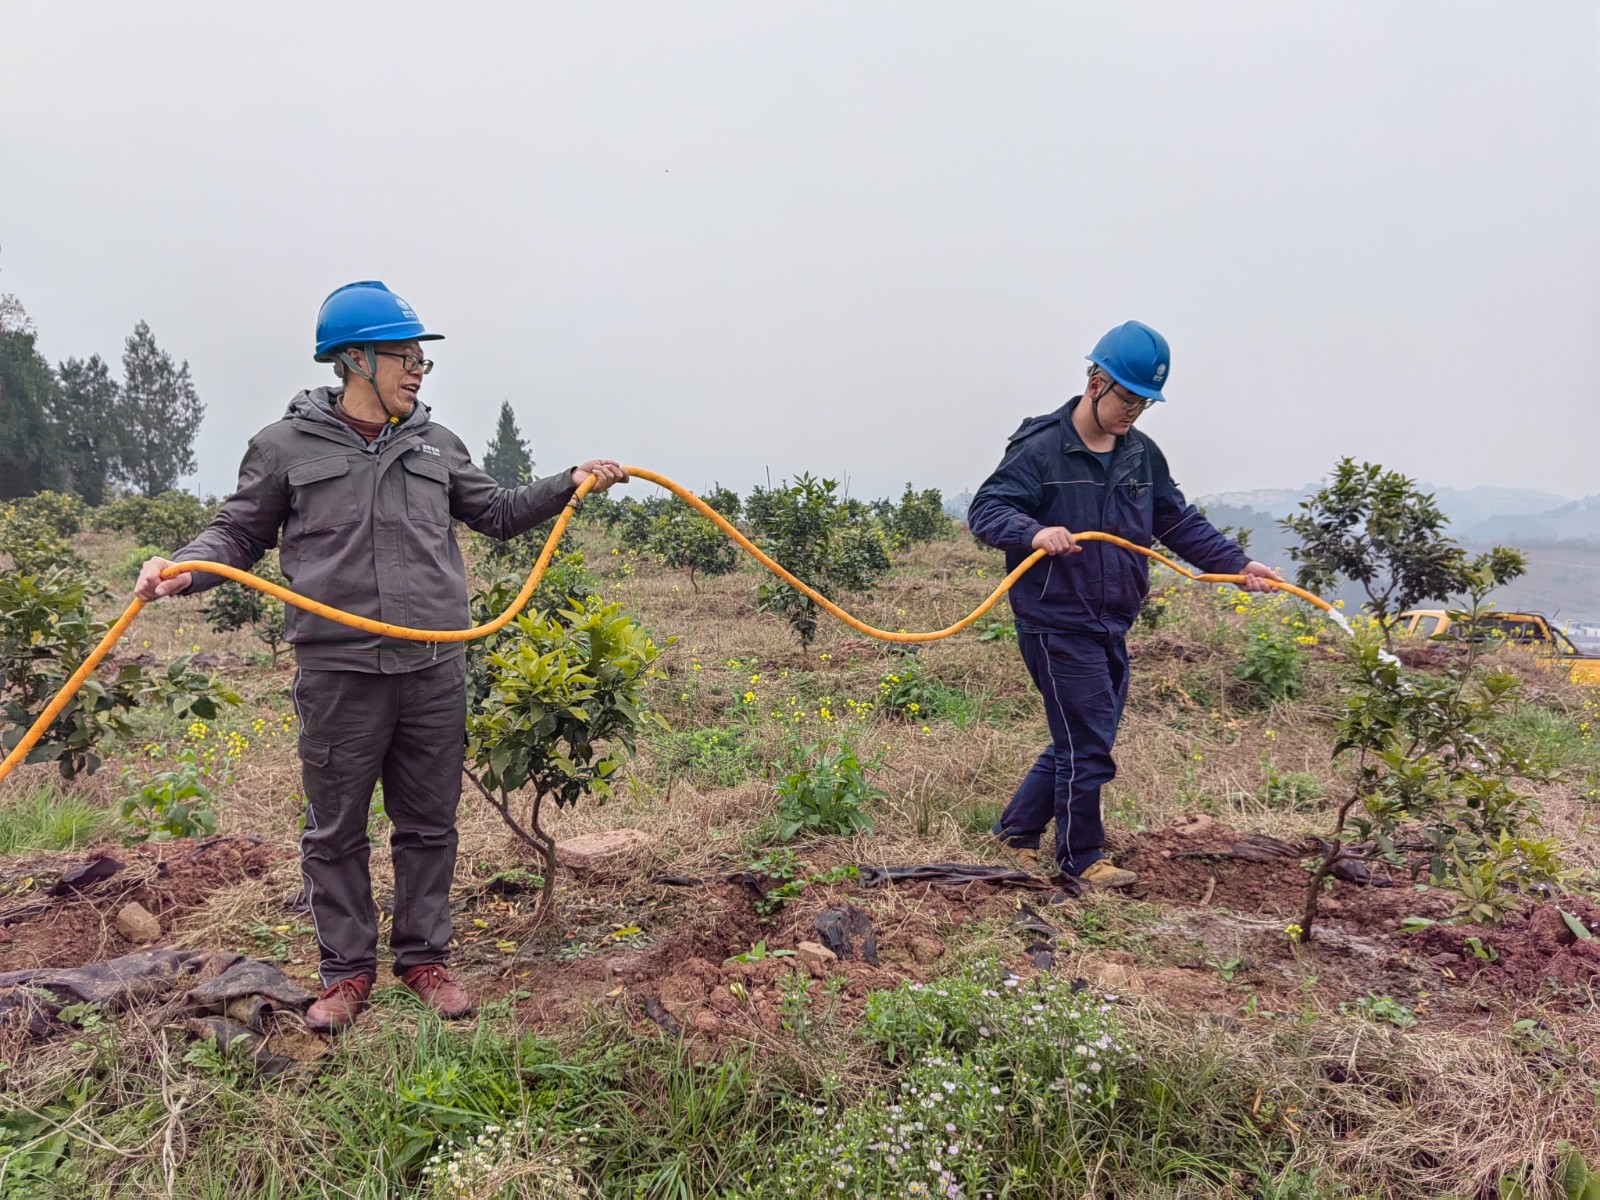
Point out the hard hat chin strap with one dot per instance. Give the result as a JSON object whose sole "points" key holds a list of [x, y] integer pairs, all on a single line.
{"points": [[370, 375], [1094, 407]]}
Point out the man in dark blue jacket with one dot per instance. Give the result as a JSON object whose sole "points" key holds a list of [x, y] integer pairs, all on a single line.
{"points": [[1084, 467]]}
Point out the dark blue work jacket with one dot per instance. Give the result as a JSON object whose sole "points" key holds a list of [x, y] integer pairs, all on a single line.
{"points": [[1049, 477]]}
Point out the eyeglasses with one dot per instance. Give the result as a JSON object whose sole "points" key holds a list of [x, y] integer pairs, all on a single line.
{"points": [[1131, 404], [410, 362]]}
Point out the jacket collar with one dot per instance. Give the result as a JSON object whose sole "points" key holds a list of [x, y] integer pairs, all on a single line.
{"points": [[1125, 454], [312, 411]]}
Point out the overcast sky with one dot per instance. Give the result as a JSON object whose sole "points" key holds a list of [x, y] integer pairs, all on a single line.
{"points": [[864, 239]]}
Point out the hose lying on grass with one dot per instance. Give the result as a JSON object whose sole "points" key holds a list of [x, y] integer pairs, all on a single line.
{"points": [[69, 689]]}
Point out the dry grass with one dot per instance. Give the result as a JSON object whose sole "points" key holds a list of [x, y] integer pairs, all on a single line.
{"points": [[1399, 1113]]}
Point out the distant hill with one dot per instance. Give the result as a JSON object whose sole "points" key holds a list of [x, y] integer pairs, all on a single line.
{"points": [[1466, 507], [1578, 521], [1274, 502]]}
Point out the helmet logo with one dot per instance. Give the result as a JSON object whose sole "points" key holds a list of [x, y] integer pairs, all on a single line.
{"points": [[405, 309], [1161, 371]]}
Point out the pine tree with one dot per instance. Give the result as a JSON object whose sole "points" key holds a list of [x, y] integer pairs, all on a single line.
{"points": [[85, 416], [159, 415], [30, 452], [507, 458]]}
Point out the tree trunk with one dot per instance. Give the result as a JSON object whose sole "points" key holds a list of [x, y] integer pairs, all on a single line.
{"points": [[1308, 917], [541, 841], [547, 847]]}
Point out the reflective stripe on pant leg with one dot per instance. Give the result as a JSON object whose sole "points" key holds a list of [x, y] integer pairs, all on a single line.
{"points": [[1082, 701], [1072, 756]]}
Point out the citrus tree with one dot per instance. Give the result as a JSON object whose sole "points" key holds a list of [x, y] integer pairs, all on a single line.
{"points": [[682, 538], [231, 606], [1436, 779], [1378, 529], [831, 543], [47, 628], [563, 699]]}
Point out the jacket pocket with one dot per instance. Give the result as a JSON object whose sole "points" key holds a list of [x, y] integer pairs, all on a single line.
{"points": [[324, 495], [427, 490]]}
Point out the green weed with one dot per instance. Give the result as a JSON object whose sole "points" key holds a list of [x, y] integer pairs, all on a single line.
{"points": [[48, 817], [829, 796]]}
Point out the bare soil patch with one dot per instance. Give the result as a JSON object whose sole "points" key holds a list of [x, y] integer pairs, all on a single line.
{"points": [[173, 880], [1360, 943]]}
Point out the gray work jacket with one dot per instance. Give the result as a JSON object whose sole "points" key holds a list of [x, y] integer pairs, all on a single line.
{"points": [[366, 528]]}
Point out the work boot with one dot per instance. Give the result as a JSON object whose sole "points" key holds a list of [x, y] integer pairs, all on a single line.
{"points": [[1024, 847], [338, 1007], [433, 983], [1105, 875]]}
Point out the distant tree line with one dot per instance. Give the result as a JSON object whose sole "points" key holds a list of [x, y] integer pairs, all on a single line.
{"points": [[75, 428]]}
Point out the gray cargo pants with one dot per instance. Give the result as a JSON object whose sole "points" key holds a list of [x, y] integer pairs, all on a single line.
{"points": [[407, 729]]}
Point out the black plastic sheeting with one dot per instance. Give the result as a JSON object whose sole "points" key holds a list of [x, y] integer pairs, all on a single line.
{"points": [[209, 993]]}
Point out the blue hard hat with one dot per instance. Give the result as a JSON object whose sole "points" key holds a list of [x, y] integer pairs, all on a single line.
{"points": [[365, 312], [1136, 356]]}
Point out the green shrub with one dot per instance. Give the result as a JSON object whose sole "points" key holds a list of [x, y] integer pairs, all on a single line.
{"points": [[629, 520], [176, 803], [32, 544], [63, 512], [829, 796], [1432, 757], [230, 606], [567, 586], [714, 755], [1271, 661], [823, 540], [919, 517], [126, 572], [172, 519], [47, 630], [1378, 529], [682, 538], [564, 699]]}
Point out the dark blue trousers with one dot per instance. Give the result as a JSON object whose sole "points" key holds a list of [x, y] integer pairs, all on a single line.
{"points": [[1083, 678]]}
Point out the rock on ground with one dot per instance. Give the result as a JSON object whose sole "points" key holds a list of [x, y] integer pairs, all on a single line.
{"points": [[589, 850], [138, 924]]}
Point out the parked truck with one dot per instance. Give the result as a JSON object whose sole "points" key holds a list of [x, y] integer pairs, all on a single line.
{"points": [[1525, 628]]}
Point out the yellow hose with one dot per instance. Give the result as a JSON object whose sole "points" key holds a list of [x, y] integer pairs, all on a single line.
{"points": [[70, 688]]}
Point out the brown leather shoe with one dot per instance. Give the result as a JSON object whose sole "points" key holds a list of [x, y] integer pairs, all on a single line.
{"points": [[338, 1007], [433, 983]]}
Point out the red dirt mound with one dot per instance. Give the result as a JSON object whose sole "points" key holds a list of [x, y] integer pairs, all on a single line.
{"points": [[1534, 951], [170, 879], [687, 982], [1213, 865]]}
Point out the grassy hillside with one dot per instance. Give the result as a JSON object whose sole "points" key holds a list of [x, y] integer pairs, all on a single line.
{"points": [[661, 1033]]}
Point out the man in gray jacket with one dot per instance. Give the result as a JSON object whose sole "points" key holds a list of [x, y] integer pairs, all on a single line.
{"points": [[360, 486]]}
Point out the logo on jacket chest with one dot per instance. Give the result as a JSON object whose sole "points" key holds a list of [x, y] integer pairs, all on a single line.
{"points": [[433, 450]]}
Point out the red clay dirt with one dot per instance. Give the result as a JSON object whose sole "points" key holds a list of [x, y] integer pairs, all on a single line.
{"points": [[170, 879], [1536, 953], [686, 981]]}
